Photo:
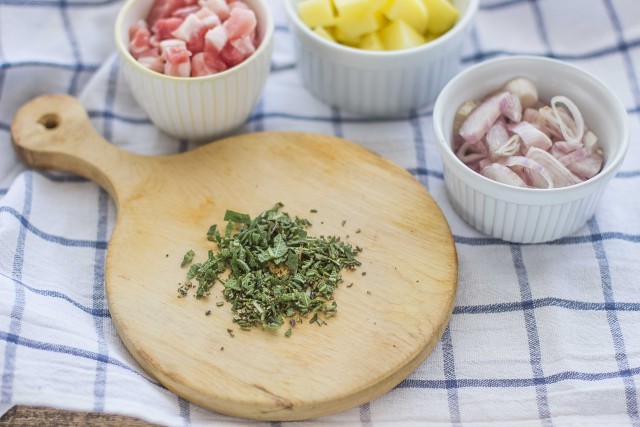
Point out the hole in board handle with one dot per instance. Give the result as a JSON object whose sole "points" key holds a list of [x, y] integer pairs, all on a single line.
{"points": [[50, 121]]}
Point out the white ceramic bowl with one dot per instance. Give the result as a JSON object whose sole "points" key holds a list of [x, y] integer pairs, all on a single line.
{"points": [[527, 215], [197, 108], [378, 84]]}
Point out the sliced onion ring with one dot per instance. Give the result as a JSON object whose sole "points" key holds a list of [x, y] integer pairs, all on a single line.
{"points": [[577, 117], [503, 174]]}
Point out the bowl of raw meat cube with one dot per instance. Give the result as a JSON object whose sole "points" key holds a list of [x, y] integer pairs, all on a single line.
{"points": [[528, 145], [378, 58], [197, 67]]}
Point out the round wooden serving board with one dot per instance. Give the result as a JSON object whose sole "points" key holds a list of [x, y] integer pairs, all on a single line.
{"points": [[387, 322]]}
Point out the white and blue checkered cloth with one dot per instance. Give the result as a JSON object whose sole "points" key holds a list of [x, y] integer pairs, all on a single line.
{"points": [[543, 334]]}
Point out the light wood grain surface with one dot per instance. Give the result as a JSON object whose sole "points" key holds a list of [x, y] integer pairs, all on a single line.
{"points": [[387, 323]]}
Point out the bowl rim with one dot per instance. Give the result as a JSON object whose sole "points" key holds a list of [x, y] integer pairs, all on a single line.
{"points": [[124, 51], [440, 110], [460, 25]]}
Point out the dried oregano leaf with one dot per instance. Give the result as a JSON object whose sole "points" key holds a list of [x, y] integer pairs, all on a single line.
{"points": [[277, 270]]}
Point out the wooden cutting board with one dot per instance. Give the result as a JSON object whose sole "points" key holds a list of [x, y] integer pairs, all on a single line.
{"points": [[387, 322]]}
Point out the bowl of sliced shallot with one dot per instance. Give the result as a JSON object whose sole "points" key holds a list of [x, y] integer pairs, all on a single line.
{"points": [[197, 67], [528, 146]]}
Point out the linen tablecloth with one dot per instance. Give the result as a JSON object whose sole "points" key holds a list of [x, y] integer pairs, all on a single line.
{"points": [[542, 334]]}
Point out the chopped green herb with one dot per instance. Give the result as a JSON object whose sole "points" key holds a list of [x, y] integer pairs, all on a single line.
{"points": [[288, 333], [314, 211], [207, 313], [230, 332], [219, 304], [350, 285], [344, 221], [358, 231], [364, 273], [277, 269], [188, 257], [236, 217]]}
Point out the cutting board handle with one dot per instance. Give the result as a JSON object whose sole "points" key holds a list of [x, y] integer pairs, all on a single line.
{"points": [[54, 132]]}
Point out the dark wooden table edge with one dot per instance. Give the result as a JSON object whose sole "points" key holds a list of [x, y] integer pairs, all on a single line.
{"points": [[43, 416]]}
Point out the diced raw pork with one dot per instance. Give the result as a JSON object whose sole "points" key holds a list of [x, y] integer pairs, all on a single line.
{"points": [[241, 22], [183, 12], [208, 17], [164, 27], [194, 38], [220, 7], [217, 37], [178, 62], [163, 9]]}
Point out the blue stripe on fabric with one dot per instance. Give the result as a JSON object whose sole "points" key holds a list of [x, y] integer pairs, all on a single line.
{"points": [[336, 122], [93, 114], [585, 56], [520, 382], [632, 76], [259, 110], [60, 295], [101, 244], [60, 177], [365, 414], [48, 64], [628, 174], [505, 307], [99, 299], [419, 147], [569, 240], [541, 26], [56, 3], [17, 310], [68, 29], [450, 376], [185, 411], [278, 68], [532, 335], [501, 4], [2, 61], [426, 172], [73, 351], [614, 326], [110, 98]]}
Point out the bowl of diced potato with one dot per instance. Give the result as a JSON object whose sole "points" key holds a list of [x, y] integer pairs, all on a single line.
{"points": [[379, 58]]}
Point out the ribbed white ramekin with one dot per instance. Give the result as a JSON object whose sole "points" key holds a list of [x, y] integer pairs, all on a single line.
{"points": [[197, 108], [527, 215], [378, 84]]}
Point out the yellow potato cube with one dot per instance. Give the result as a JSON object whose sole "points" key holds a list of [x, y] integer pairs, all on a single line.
{"points": [[343, 38], [442, 16], [360, 25], [316, 13], [325, 33], [400, 35], [371, 41], [351, 9], [413, 12]]}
